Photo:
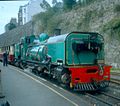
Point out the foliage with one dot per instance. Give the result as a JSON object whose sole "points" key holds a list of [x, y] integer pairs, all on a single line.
{"points": [[47, 19], [68, 4], [44, 17], [85, 2], [117, 8], [54, 2], [113, 26], [53, 24], [84, 23], [115, 70], [11, 26], [57, 7], [45, 5]]}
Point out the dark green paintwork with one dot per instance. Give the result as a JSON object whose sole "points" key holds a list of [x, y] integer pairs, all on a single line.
{"points": [[43, 37], [57, 51], [22, 46], [84, 57], [36, 53], [62, 48], [17, 50]]}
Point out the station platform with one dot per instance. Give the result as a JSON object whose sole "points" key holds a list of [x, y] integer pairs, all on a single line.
{"points": [[21, 89]]}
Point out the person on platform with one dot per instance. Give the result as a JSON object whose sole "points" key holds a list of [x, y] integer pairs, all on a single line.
{"points": [[5, 59]]}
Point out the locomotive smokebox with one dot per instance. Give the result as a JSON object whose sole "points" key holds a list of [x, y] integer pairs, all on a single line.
{"points": [[57, 31]]}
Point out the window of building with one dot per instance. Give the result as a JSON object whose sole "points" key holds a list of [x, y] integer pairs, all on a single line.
{"points": [[24, 20], [24, 10]]}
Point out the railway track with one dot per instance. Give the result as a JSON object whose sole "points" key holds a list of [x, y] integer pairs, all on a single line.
{"points": [[114, 97], [115, 73], [105, 98], [99, 99], [115, 77], [116, 81]]}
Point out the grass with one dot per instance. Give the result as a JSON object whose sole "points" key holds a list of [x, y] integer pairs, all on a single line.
{"points": [[113, 26], [117, 8], [115, 70]]}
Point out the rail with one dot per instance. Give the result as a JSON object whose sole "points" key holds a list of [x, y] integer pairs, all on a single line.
{"points": [[114, 100], [99, 99], [117, 98], [115, 73]]}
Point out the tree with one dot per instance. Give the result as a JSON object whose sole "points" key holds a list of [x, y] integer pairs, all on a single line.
{"points": [[57, 6], [54, 2], [45, 5], [11, 26], [68, 4]]}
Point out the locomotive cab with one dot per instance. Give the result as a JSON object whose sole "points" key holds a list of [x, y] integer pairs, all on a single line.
{"points": [[84, 49]]}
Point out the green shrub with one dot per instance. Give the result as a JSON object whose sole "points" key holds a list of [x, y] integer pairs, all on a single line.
{"points": [[113, 26], [44, 17], [53, 23], [68, 4], [117, 8], [48, 20], [11, 26], [83, 3]]}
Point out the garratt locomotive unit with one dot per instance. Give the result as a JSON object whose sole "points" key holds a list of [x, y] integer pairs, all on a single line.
{"points": [[75, 59]]}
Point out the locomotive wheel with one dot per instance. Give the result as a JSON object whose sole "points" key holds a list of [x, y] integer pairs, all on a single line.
{"points": [[23, 66], [65, 78]]}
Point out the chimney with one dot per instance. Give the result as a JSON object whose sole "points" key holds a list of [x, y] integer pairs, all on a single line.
{"points": [[57, 32]]}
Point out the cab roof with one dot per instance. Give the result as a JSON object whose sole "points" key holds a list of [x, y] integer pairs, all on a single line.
{"points": [[62, 38]]}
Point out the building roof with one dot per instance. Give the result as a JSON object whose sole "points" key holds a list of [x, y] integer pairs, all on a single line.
{"points": [[13, 36]]}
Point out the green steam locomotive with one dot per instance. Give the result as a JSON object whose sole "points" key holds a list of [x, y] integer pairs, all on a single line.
{"points": [[75, 59]]}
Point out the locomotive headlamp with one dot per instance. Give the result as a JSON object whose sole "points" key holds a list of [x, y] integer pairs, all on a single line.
{"points": [[60, 62]]}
